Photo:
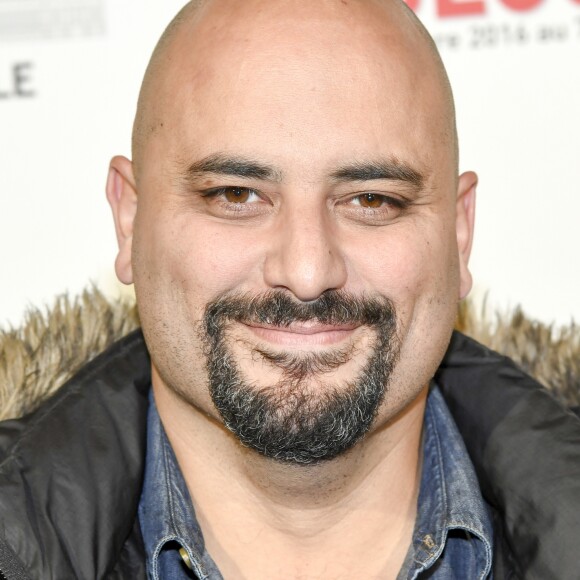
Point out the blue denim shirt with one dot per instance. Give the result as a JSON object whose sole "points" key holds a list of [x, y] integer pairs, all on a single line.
{"points": [[453, 536], [166, 514]]}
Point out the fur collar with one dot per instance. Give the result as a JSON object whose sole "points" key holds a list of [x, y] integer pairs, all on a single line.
{"points": [[51, 345]]}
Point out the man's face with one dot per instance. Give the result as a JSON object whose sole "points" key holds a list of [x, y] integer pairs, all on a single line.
{"points": [[298, 156]]}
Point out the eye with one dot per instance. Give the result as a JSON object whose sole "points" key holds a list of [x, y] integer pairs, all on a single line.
{"points": [[234, 201], [237, 194], [373, 208], [370, 200], [377, 201]]}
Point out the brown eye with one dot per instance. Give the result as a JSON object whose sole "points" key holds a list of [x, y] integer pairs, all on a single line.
{"points": [[237, 194], [371, 200]]}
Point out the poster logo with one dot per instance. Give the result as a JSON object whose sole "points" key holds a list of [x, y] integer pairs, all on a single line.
{"points": [[488, 24], [17, 82], [46, 19], [450, 8]]}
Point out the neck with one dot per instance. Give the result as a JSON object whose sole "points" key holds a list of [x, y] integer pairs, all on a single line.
{"points": [[266, 519]]}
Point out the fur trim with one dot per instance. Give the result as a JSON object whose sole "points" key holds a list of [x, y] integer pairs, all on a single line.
{"points": [[37, 358], [52, 345], [550, 354]]}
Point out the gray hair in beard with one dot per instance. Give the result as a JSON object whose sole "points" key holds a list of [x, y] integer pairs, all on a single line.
{"points": [[287, 421]]}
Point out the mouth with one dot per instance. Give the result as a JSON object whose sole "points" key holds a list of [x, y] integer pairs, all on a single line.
{"points": [[304, 334]]}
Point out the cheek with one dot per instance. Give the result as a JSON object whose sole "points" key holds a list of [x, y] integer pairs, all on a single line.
{"points": [[417, 268], [199, 258], [407, 264], [222, 258]]}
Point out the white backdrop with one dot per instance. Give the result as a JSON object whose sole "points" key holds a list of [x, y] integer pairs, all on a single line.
{"points": [[69, 77]]}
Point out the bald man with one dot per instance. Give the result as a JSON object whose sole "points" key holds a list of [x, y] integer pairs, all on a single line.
{"points": [[298, 237]]}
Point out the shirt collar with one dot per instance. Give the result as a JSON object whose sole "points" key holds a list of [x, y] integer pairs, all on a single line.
{"points": [[166, 512], [449, 496]]}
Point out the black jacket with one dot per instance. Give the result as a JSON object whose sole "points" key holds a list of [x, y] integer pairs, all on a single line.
{"points": [[71, 472]]}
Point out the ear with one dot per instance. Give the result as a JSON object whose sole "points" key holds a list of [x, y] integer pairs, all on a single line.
{"points": [[465, 212], [122, 197]]}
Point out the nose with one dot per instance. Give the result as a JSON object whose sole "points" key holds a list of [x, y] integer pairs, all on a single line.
{"points": [[305, 256]]}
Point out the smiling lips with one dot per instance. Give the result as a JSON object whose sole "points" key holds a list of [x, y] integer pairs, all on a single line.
{"points": [[304, 334]]}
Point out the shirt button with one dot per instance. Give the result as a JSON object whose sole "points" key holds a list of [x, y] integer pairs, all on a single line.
{"points": [[185, 557]]}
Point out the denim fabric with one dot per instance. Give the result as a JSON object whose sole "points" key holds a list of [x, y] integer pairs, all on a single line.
{"points": [[453, 535], [166, 513], [452, 539]]}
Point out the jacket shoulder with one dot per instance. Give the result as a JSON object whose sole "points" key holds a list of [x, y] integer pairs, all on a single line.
{"points": [[71, 471], [525, 446]]}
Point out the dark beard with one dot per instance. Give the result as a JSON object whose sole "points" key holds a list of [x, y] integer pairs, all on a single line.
{"points": [[287, 421]]}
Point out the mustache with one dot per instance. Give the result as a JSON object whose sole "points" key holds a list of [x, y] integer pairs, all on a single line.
{"points": [[278, 308]]}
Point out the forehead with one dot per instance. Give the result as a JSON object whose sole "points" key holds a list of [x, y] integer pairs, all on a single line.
{"points": [[299, 79]]}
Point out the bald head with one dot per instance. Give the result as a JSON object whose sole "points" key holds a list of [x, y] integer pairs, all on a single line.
{"points": [[402, 33], [142, 126]]}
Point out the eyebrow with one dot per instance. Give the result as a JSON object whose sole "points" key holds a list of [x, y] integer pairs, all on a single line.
{"points": [[222, 164], [238, 166], [393, 170]]}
